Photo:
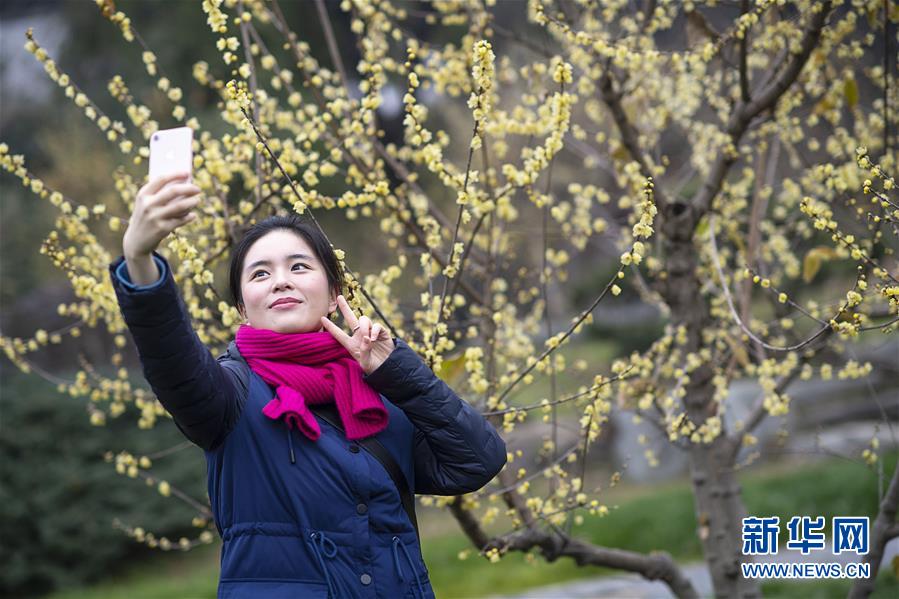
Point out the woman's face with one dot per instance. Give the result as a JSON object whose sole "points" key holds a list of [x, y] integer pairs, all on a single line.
{"points": [[284, 286]]}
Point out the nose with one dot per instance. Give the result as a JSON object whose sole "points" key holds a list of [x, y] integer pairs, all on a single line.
{"points": [[281, 280]]}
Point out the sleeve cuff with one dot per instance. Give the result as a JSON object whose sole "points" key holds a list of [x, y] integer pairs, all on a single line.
{"points": [[402, 375], [121, 273]]}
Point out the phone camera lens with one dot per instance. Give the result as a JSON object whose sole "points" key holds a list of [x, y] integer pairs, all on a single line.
{"points": [[155, 138]]}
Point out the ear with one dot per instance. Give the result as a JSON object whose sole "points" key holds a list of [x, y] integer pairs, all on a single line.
{"points": [[332, 305]]}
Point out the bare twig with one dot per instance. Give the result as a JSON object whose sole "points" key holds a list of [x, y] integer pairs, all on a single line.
{"points": [[583, 315], [248, 56], [730, 303], [333, 50], [759, 205], [744, 42], [203, 509]]}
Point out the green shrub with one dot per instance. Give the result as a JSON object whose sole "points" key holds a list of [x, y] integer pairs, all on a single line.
{"points": [[59, 497]]}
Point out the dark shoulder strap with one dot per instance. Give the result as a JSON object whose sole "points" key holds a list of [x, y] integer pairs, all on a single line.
{"points": [[328, 413], [234, 362]]}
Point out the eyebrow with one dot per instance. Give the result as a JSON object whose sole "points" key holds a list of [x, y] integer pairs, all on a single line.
{"points": [[286, 259]]}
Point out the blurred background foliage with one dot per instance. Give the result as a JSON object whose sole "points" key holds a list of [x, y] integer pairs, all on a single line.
{"points": [[59, 497]]}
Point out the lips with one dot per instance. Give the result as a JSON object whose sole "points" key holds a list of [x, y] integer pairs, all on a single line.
{"points": [[284, 300]]}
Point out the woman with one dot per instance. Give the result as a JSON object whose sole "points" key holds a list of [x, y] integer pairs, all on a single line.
{"points": [[301, 510]]}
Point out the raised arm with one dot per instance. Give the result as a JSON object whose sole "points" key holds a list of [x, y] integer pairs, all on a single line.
{"points": [[201, 396], [456, 450]]}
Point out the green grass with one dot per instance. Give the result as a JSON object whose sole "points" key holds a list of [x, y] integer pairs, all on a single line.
{"points": [[191, 575], [642, 518]]}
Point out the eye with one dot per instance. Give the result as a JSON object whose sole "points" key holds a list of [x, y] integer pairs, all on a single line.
{"points": [[260, 271], [306, 266]]}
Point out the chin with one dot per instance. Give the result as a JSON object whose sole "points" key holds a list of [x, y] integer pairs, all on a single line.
{"points": [[298, 327]]}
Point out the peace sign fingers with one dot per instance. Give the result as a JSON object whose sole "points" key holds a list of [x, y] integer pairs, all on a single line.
{"points": [[359, 327], [370, 343]]}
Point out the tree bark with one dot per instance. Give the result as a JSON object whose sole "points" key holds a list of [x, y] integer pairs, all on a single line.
{"points": [[882, 530], [655, 566], [718, 504], [719, 514]]}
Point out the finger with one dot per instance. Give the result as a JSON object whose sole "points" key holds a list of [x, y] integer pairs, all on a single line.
{"points": [[336, 331], [364, 326], [178, 221], [158, 183], [348, 316], [172, 192], [187, 218], [366, 341], [375, 332], [177, 208]]}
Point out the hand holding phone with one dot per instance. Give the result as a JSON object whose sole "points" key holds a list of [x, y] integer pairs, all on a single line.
{"points": [[162, 205]]}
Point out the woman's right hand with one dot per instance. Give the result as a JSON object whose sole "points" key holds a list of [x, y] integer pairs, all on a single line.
{"points": [[162, 205]]}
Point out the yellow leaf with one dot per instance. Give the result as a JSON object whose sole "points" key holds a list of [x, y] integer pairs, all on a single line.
{"points": [[702, 228], [621, 153], [850, 90], [738, 350], [451, 367], [823, 106], [896, 565], [811, 264]]}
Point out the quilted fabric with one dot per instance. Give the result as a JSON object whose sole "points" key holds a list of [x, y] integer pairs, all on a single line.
{"points": [[330, 523]]}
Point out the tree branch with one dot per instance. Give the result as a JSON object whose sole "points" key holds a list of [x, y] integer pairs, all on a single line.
{"points": [[513, 499], [248, 56], [884, 529], [629, 134], [334, 52], [733, 310], [892, 532], [744, 42], [657, 566], [469, 524], [758, 412], [764, 100], [759, 206]]}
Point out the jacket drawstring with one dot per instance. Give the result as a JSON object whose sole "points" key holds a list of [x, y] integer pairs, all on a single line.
{"points": [[293, 459], [396, 562], [317, 542]]}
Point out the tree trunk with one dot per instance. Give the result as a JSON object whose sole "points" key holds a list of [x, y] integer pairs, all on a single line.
{"points": [[719, 515], [718, 502]]}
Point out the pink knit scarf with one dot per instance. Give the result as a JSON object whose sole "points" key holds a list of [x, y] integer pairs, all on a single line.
{"points": [[312, 368]]}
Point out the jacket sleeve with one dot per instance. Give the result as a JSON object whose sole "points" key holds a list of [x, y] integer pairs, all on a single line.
{"points": [[201, 396], [456, 450]]}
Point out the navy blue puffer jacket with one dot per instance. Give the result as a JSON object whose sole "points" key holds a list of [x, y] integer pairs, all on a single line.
{"points": [[330, 524]]}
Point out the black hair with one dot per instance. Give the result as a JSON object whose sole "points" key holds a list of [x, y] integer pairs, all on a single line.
{"points": [[308, 231]]}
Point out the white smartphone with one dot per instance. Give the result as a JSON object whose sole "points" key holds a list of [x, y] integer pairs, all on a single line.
{"points": [[171, 151]]}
